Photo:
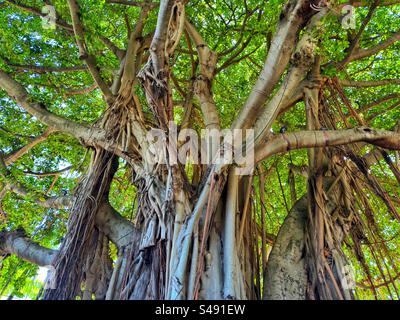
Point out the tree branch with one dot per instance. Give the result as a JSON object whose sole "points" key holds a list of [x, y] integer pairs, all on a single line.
{"points": [[314, 139], [379, 101], [362, 53], [294, 15], [12, 157], [145, 3], [45, 69], [119, 230], [366, 84], [75, 91], [17, 243], [59, 22], [356, 40], [47, 174], [84, 54], [157, 47], [203, 82], [44, 201], [38, 110], [366, 3]]}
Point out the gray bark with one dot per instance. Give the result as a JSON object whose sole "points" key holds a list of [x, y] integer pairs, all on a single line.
{"points": [[286, 277]]}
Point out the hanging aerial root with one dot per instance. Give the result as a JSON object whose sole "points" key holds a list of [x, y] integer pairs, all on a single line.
{"points": [[70, 262]]}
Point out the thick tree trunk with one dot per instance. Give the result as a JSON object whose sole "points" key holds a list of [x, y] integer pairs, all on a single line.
{"points": [[286, 273]]}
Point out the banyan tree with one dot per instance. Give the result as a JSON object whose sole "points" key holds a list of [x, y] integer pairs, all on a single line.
{"points": [[85, 195]]}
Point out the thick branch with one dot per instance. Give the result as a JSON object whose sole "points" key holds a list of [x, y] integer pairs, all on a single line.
{"points": [[202, 84], [24, 248], [19, 94], [314, 139], [303, 59], [157, 47], [293, 17], [119, 230]]}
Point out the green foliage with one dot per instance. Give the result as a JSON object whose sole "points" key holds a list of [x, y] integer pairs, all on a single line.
{"points": [[24, 41]]}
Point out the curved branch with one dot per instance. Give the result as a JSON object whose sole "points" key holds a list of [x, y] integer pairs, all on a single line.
{"points": [[362, 53], [14, 156], [38, 110], [17, 243], [202, 84], [379, 101], [119, 230], [83, 52], [314, 139], [47, 174], [294, 15]]}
